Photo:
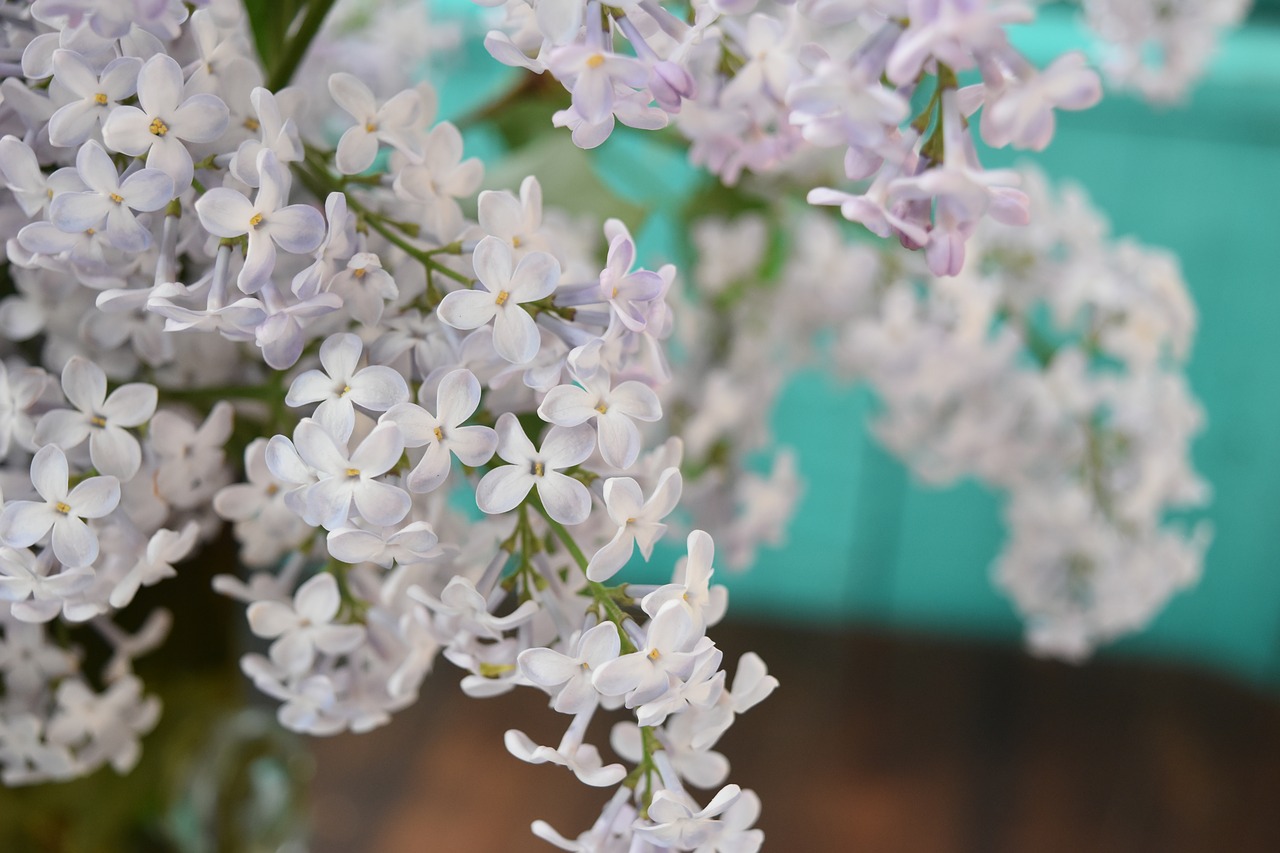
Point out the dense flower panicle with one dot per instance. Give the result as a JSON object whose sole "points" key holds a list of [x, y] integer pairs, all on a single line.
{"points": [[371, 359], [758, 88]]}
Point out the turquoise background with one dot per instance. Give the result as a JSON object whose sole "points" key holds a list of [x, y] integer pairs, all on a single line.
{"points": [[869, 544]]}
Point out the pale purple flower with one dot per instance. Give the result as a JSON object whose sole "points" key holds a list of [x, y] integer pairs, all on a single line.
{"points": [[443, 434], [165, 121], [365, 288], [613, 409], [34, 594], [109, 203], [568, 676], [675, 821], [691, 589], [566, 499], [296, 228], [461, 601], [672, 647], [413, 543], [103, 419], [165, 548], [347, 479], [340, 386], [305, 626], [278, 134], [392, 123], [96, 95], [629, 293], [24, 523], [515, 335], [638, 520]]}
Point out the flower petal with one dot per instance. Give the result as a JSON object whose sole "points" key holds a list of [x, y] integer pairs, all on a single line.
{"points": [[502, 489]]}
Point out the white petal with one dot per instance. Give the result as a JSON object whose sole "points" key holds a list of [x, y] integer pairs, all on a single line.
{"points": [[115, 452], [492, 262], [431, 470], [564, 447], [619, 440], [271, 618], [567, 405], [49, 473], [224, 212], [566, 499], [74, 544], [130, 405], [515, 334], [502, 489], [95, 497], [147, 189], [318, 600], [467, 309], [610, 559], [298, 228], [382, 503], [473, 445], [457, 397], [378, 388], [535, 277]]}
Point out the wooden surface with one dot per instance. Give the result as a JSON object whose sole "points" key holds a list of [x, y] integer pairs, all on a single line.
{"points": [[874, 743]]}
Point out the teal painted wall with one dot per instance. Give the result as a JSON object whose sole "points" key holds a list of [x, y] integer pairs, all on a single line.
{"points": [[871, 545]]}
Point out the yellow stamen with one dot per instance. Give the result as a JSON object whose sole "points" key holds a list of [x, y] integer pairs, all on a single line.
{"points": [[158, 127], [90, 231], [515, 244], [65, 509], [251, 125], [117, 198], [98, 421], [602, 408], [539, 469], [654, 655], [615, 293], [255, 220], [100, 99], [371, 128], [439, 434], [595, 60], [359, 273], [353, 472], [502, 297], [346, 389]]}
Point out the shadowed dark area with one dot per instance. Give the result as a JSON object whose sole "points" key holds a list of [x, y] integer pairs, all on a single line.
{"points": [[875, 742]]}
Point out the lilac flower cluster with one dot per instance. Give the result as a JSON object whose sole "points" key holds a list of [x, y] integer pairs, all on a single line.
{"points": [[1052, 371], [197, 268], [758, 88]]}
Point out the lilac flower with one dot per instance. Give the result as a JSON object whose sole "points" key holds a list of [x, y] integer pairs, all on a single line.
{"points": [[296, 228], [638, 520], [109, 203], [613, 409], [515, 335], [165, 121], [305, 626], [392, 123], [566, 499], [340, 387], [97, 94], [24, 523], [347, 479], [103, 419], [443, 434]]}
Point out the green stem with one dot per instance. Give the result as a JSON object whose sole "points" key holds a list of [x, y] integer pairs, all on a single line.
{"points": [[283, 70], [598, 591]]}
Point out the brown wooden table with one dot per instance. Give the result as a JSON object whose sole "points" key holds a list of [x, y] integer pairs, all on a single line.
{"points": [[875, 742]]}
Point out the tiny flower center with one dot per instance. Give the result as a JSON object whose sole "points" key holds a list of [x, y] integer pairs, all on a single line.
{"points": [[602, 408], [97, 420], [654, 655], [502, 297], [370, 127], [360, 273], [615, 293], [251, 124], [515, 244], [631, 521], [539, 469], [595, 60], [158, 127], [272, 489], [100, 99], [117, 198], [65, 509], [346, 389], [353, 472], [90, 231], [439, 431], [255, 220]]}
